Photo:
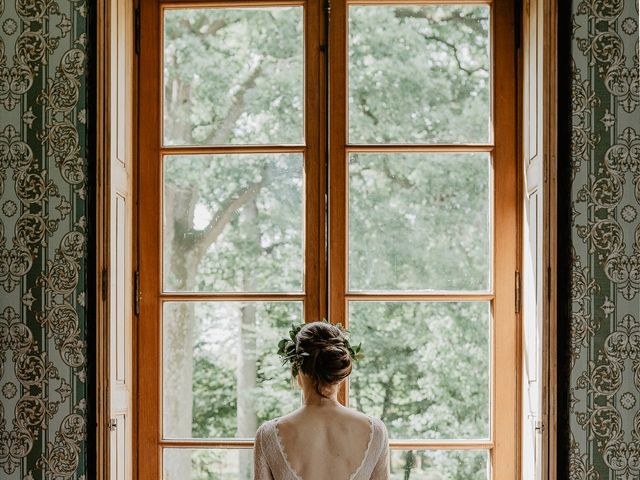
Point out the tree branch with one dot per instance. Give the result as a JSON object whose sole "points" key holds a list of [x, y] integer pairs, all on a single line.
{"points": [[396, 177], [454, 49], [197, 29], [221, 133], [471, 21], [212, 231], [364, 107]]}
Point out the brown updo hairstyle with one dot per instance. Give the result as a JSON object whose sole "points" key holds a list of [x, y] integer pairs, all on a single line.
{"points": [[328, 361]]}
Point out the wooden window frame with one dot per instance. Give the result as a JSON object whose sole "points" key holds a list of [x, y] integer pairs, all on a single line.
{"points": [[504, 427], [315, 305], [150, 437]]}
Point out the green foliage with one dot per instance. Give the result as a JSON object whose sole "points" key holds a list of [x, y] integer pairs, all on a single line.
{"points": [[426, 374], [288, 353], [419, 221], [233, 76], [418, 74], [214, 401], [416, 221], [264, 251]]}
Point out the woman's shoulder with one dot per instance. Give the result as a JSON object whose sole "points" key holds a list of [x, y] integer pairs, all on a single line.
{"points": [[374, 421], [266, 428], [378, 426], [377, 422]]}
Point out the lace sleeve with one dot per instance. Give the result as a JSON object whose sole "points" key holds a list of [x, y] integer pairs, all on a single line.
{"points": [[261, 470], [381, 470]]}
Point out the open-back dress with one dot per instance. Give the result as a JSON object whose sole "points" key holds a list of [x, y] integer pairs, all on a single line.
{"points": [[271, 462]]}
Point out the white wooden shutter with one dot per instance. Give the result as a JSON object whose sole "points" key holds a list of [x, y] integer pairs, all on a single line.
{"points": [[120, 250], [538, 55]]}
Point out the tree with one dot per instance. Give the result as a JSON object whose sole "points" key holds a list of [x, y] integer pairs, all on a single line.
{"points": [[235, 223]]}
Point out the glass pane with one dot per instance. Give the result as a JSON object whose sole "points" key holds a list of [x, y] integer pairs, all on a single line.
{"points": [[221, 379], [232, 464], [419, 221], [207, 464], [426, 371], [419, 74], [233, 76], [233, 223], [439, 465]]}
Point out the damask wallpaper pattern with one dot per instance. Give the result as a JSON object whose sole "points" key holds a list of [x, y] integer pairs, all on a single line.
{"points": [[604, 389], [43, 238]]}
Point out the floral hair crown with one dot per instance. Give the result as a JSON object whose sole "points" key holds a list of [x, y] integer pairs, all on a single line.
{"points": [[290, 353]]}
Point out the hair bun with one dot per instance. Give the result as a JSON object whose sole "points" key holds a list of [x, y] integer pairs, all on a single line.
{"points": [[329, 360]]}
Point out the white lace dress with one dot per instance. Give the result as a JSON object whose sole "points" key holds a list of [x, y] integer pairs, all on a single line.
{"points": [[270, 460]]}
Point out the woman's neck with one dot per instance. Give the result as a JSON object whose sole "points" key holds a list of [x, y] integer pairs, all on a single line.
{"points": [[314, 398]]}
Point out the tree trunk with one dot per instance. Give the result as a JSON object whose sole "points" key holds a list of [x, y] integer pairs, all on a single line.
{"points": [[178, 331], [408, 464], [387, 401], [178, 374], [246, 362], [187, 249]]}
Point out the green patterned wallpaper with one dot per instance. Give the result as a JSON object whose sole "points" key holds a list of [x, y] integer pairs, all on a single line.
{"points": [[43, 239], [604, 380]]}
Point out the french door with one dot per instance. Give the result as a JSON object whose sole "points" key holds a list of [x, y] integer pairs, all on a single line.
{"points": [[355, 161]]}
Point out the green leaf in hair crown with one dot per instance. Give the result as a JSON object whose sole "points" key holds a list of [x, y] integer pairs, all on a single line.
{"points": [[289, 353]]}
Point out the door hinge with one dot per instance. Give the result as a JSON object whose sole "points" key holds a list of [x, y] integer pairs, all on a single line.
{"points": [[104, 280], [136, 292], [540, 426], [137, 30], [113, 424], [518, 291]]}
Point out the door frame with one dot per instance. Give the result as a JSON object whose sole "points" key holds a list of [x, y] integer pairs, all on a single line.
{"points": [[101, 283]]}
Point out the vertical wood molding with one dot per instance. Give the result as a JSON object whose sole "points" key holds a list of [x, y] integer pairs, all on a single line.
{"points": [[115, 197], [550, 354], [538, 112], [102, 236]]}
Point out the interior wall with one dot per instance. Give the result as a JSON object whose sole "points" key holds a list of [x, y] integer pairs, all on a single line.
{"points": [[602, 398], [43, 239]]}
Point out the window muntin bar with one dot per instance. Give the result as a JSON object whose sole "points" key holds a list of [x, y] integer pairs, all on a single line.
{"points": [[394, 444], [229, 149], [421, 148], [502, 304]]}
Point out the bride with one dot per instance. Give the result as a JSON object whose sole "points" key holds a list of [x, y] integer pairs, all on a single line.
{"points": [[322, 440]]}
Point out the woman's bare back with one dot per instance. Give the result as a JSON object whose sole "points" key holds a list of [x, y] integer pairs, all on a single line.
{"points": [[323, 442]]}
